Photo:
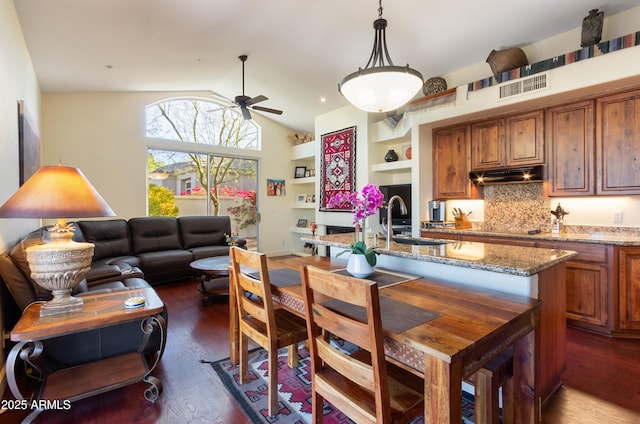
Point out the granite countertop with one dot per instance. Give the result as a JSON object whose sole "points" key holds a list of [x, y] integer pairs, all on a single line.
{"points": [[617, 239], [521, 261]]}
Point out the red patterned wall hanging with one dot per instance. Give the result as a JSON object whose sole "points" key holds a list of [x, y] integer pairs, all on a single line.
{"points": [[337, 166]]}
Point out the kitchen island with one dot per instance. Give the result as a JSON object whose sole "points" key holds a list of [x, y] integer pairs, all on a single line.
{"points": [[521, 271]]}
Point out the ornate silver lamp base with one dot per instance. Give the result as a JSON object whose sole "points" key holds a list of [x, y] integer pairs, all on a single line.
{"points": [[60, 266]]}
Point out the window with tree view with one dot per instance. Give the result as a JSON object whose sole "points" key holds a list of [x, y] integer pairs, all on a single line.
{"points": [[195, 178]]}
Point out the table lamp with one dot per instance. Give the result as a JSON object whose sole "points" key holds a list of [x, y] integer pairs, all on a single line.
{"points": [[58, 192]]}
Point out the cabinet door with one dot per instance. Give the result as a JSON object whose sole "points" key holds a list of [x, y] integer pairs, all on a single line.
{"points": [[587, 293], [487, 145], [451, 163], [570, 140], [618, 143], [525, 139], [629, 281]]}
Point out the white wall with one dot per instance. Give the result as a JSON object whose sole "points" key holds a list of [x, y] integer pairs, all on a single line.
{"points": [[17, 82], [103, 135]]}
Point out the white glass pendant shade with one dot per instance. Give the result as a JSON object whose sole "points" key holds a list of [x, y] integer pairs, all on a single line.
{"points": [[381, 89]]}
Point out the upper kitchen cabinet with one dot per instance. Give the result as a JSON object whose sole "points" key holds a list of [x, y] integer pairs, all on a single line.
{"points": [[618, 143], [511, 142], [570, 141], [451, 148], [488, 145], [525, 139]]}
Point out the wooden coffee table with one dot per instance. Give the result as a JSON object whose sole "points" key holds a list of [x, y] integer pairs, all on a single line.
{"points": [[214, 277]]}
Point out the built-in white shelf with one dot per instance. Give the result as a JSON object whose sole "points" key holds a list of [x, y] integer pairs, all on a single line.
{"points": [[303, 205], [304, 151], [392, 166], [301, 230], [305, 180], [384, 133]]}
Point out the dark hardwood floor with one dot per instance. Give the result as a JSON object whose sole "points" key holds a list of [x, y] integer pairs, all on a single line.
{"points": [[602, 380]]}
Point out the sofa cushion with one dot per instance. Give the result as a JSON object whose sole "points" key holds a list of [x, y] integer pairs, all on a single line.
{"points": [[166, 265], [111, 237], [209, 251], [197, 231], [19, 257], [18, 285], [152, 234]]}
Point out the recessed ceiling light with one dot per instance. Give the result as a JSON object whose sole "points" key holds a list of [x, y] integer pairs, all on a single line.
{"points": [[323, 99]]}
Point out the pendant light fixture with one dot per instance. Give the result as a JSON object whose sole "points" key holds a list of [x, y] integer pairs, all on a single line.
{"points": [[380, 86]]}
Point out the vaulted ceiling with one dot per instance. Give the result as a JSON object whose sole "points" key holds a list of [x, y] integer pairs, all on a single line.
{"points": [[298, 49]]}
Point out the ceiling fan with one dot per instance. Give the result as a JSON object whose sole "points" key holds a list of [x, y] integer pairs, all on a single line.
{"points": [[245, 102]]}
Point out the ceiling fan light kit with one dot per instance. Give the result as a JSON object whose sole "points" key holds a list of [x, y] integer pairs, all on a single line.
{"points": [[380, 86]]}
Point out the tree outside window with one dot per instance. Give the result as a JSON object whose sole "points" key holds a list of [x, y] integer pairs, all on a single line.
{"points": [[208, 123]]}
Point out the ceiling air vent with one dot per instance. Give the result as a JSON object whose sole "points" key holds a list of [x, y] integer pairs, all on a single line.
{"points": [[524, 85]]}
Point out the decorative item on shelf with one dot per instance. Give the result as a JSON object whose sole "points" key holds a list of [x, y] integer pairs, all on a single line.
{"points": [[380, 87], [558, 225], [300, 172], [363, 204], [298, 138], [434, 85], [313, 228], [592, 28], [391, 156], [58, 192], [406, 149], [505, 60], [302, 223], [393, 118]]}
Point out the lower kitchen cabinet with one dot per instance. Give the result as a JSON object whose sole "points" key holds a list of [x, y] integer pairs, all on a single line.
{"points": [[603, 281], [629, 280]]}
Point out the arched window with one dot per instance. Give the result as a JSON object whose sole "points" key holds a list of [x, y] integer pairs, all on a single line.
{"points": [[202, 122]]}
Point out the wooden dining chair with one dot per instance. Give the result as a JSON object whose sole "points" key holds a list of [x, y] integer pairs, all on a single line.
{"points": [[269, 327], [364, 386]]}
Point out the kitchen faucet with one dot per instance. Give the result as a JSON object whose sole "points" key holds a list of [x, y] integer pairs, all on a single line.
{"points": [[403, 211]]}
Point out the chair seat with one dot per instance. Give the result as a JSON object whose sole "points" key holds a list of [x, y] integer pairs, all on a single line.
{"points": [[290, 328], [402, 398]]}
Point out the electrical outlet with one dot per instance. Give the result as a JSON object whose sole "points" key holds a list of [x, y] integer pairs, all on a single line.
{"points": [[617, 217]]}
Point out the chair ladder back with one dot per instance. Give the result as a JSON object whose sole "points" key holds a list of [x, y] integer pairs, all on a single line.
{"points": [[258, 306], [326, 285]]}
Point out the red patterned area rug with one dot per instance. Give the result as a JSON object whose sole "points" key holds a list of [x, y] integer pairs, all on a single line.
{"points": [[294, 391]]}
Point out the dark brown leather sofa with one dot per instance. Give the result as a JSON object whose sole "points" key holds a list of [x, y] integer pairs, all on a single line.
{"points": [[128, 254]]}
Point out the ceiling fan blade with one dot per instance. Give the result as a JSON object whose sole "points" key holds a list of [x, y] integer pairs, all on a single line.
{"points": [[267, 109], [256, 99], [245, 113]]}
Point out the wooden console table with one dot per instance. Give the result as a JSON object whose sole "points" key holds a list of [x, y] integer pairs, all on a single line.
{"points": [[85, 380]]}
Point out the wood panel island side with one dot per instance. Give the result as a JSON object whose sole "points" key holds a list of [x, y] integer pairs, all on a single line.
{"points": [[521, 271]]}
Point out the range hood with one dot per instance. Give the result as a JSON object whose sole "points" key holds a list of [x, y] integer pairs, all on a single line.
{"points": [[507, 175]]}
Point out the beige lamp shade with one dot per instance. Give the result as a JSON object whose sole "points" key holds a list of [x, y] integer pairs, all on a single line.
{"points": [[56, 192]]}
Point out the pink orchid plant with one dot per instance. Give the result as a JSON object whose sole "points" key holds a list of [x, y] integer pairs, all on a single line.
{"points": [[364, 203]]}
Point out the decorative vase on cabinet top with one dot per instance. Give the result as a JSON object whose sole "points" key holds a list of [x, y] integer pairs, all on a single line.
{"points": [[358, 266]]}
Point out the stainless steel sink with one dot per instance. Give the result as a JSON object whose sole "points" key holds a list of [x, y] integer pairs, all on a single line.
{"points": [[420, 241]]}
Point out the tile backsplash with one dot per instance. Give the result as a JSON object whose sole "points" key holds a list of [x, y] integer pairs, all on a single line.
{"points": [[518, 208]]}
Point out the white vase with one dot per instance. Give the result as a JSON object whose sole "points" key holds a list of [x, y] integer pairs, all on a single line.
{"points": [[358, 266]]}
